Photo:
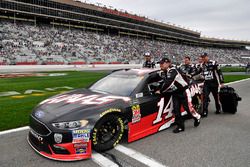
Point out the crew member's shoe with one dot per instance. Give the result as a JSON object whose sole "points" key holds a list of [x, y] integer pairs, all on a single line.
{"points": [[197, 122], [178, 129], [204, 114], [217, 112]]}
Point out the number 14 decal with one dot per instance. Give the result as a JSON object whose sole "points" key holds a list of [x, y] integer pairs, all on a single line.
{"points": [[168, 110]]}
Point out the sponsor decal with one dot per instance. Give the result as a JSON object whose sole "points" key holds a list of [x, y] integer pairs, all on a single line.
{"points": [[33, 91], [82, 150], [80, 145], [136, 111], [195, 89], [168, 75], [38, 137], [81, 136], [138, 95], [39, 114], [110, 111], [84, 99], [57, 74], [18, 75]]}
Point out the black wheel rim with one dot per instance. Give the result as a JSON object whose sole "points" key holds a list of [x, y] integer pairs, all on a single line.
{"points": [[108, 131]]}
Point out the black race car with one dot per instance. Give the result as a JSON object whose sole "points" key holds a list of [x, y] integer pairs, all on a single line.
{"points": [[67, 126]]}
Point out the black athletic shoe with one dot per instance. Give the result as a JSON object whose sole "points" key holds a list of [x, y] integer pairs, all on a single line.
{"points": [[203, 115], [197, 122], [218, 112], [178, 129]]}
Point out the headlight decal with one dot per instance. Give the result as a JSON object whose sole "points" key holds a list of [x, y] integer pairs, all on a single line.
{"points": [[71, 124]]}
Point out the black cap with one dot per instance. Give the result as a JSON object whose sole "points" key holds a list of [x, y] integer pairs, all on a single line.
{"points": [[164, 60], [204, 54]]}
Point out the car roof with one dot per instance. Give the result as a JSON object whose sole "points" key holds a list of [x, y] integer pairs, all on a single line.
{"points": [[139, 72]]}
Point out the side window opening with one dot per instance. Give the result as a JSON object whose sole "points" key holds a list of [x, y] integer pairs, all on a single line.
{"points": [[154, 78]]}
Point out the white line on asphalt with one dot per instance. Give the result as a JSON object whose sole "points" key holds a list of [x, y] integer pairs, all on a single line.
{"points": [[103, 161], [14, 130], [139, 156]]}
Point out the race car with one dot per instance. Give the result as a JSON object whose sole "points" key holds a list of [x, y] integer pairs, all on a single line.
{"points": [[68, 126]]}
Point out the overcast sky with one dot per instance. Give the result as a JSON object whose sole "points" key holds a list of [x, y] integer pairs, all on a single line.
{"points": [[228, 19]]}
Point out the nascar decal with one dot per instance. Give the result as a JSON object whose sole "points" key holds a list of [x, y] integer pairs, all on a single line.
{"points": [[84, 99], [81, 136], [136, 111], [110, 111]]}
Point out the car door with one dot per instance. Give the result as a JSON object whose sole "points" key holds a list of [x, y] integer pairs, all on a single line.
{"points": [[150, 112]]}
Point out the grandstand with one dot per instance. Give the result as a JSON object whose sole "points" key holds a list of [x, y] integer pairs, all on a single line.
{"points": [[72, 32]]}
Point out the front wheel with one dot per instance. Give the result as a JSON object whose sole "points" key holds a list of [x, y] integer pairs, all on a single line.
{"points": [[107, 133]]}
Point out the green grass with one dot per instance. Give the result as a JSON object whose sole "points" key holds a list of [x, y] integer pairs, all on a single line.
{"points": [[233, 69], [14, 112], [231, 78]]}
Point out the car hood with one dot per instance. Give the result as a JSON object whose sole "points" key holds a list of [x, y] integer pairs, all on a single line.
{"points": [[76, 105]]}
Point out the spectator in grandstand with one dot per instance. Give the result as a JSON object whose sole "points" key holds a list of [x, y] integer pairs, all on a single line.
{"points": [[213, 81], [24, 42], [148, 63]]}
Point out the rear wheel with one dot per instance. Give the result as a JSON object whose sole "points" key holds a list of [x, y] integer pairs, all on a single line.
{"points": [[107, 132]]}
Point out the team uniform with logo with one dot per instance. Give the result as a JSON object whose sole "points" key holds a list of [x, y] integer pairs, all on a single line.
{"points": [[148, 64], [213, 78], [175, 84]]}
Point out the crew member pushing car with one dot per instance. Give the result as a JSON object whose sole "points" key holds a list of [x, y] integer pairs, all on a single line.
{"points": [[213, 81], [175, 84]]}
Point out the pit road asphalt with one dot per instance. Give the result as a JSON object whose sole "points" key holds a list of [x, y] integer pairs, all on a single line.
{"points": [[220, 141]]}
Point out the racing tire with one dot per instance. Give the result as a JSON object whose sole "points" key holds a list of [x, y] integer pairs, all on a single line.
{"points": [[107, 132]]}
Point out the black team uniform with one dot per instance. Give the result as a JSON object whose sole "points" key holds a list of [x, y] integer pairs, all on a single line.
{"points": [[148, 64], [213, 78], [187, 69], [175, 84]]}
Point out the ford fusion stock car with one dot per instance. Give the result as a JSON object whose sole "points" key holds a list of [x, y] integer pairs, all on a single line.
{"points": [[68, 126]]}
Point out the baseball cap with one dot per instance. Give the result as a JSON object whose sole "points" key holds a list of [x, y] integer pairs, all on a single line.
{"points": [[204, 54], [147, 54], [164, 60]]}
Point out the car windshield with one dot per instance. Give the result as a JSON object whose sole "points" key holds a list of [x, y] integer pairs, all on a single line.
{"points": [[122, 85]]}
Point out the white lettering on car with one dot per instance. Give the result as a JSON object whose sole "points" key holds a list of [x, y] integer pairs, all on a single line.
{"points": [[83, 99]]}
